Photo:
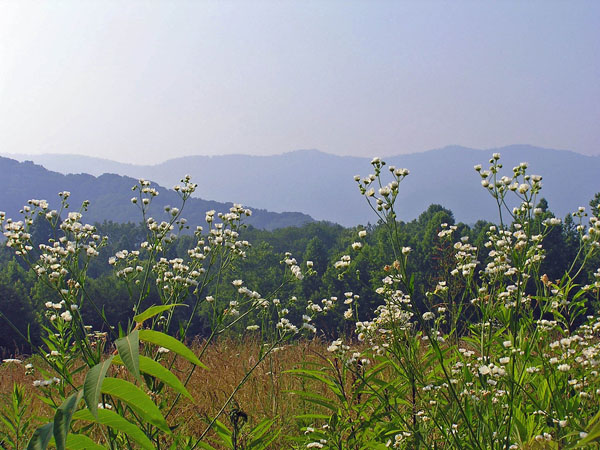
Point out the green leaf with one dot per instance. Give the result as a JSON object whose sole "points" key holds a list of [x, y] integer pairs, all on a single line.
{"points": [[93, 384], [151, 367], [154, 310], [137, 400], [62, 419], [155, 369], [116, 422], [166, 341], [41, 437], [82, 442], [129, 351]]}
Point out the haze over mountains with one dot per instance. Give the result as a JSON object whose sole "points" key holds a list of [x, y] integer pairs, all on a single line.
{"points": [[322, 185], [109, 196]]}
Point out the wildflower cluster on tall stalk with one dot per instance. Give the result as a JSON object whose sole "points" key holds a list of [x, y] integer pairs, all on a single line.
{"points": [[507, 360], [126, 377]]}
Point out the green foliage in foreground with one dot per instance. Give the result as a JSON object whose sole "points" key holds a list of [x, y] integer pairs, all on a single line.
{"points": [[451, 336]]}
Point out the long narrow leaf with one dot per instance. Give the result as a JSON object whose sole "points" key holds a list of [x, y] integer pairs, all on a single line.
{"points": [[41, 437], [154, 310], [116, 422], [93, 384], [151, 367], [137, 400], [166, 341], [62, 419], [82, 442], [155, 369], [129, 351]]}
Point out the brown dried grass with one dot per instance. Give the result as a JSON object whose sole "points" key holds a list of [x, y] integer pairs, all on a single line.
{"points": [[264, 395]]}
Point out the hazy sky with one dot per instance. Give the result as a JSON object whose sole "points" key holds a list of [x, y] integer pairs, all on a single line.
{"points": [[150, 80]]}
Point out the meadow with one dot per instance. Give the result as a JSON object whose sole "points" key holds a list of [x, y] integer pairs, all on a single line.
{"points": [[494, 354]]}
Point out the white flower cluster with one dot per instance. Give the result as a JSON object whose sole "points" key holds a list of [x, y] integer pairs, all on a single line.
{"points": [[293, 266], [174, 274], [187, 187], [504, 244], [386, 194], [146, 193], [523, 184], [55, 259], [343, 262], [394, 314], [46, 383], [55, 307], [466, 258]]}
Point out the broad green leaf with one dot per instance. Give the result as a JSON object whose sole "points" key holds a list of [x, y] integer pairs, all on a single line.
{"points": [[166, 341], [41, 437], [116, 422], [92, 385], [154, 368], [129, 351], [151, 367], [137, 400], [62, 419], [154, 310], [82, 442]]}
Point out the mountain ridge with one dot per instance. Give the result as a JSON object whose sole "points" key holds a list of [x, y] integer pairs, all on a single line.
{"points": [[109, 196], [320, 184]]}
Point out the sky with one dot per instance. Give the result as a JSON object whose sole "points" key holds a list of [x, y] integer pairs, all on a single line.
{"points": [[145, 81]]}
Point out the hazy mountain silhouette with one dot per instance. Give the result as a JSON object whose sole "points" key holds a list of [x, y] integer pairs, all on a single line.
{"points": [[322, 184], [110, 196]]}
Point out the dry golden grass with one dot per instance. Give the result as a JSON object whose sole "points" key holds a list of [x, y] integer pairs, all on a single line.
{"points": [[264, 395]]}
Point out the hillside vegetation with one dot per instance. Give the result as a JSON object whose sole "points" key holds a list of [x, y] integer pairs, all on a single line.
{"points": [[425, 333]]}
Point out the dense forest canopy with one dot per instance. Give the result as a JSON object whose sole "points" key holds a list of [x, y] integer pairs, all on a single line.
{"points": [[319, 244]]}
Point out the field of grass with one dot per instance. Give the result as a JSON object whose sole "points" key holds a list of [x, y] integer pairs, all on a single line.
{"points": [[265, 395]]}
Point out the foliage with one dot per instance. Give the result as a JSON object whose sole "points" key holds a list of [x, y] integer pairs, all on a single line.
{"points": [[521, 373], [442, 335], [126, 395]]}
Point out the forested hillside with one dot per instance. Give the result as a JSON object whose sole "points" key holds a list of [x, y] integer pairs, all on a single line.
{"points": [[321, 243], [109, 196], [320, 184]]}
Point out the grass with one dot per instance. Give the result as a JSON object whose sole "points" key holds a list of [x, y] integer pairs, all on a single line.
{"points": [[264, 395]]}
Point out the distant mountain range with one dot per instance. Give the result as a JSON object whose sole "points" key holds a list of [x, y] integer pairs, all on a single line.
{"points": [[110, 197], [322, 185]]}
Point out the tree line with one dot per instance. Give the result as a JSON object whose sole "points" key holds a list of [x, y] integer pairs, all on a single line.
{"points": [[319, 244]]}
